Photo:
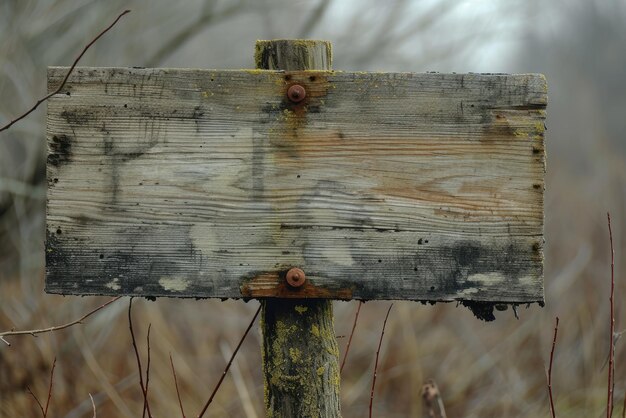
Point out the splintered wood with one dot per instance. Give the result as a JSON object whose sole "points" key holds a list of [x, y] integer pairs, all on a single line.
{"points": [[200, 183]]}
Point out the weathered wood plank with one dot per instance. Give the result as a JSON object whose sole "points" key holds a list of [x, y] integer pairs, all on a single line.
{"points": [[205, 183]]}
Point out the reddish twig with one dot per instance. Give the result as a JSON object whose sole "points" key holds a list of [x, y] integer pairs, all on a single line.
{"points": [[611, 382], [556, 329], [54, 363], [36, 400], [132, 334], [44, 410], [34, 332], [206, 406], [43, 99], [180, 403], [147, 372], [380, 343], [93, 405], [356, 317]]}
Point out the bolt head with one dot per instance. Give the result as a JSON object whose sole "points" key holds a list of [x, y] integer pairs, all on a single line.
{"points": [[295, 277], [296, 93]]}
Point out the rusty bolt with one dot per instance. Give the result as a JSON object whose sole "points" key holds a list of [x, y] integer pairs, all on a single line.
{"points": [[296, 93], [295, 277]]}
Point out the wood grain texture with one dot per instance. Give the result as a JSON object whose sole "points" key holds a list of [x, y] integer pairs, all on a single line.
{"points": [[200, 183]]}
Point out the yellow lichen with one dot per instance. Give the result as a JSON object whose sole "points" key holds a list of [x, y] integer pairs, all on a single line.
{"points": [[294, 353], [539, 127], [297, 367]]}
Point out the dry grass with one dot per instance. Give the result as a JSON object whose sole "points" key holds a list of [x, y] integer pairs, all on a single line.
{"points": [[482, 369]]}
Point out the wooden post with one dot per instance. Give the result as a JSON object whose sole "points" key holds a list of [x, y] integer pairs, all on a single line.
{"points": [[300, 351]]}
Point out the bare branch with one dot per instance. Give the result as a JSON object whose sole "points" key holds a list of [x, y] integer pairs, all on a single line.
{"points": [[54, 363], [132, 334], [180, 403], [611, 378], [147, 372], [380, 342], [43, 99], [556, 329], [219, 383], [356, 317], [28, 389], [34, 332]]}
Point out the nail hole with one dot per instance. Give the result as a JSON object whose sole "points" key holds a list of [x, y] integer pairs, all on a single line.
{"points": [[101, 256], [59, 231], [380, 261], [312, 78]]}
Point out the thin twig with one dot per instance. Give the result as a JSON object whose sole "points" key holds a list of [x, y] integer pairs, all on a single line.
{"points": [[380, 343], [132, 334], [34, 332], [54, 363], [43, 99], [556, 329], [206, 406], [356, 317], [93, 405], [28, 389], [147, 372], [180, 403], [611, 382]]}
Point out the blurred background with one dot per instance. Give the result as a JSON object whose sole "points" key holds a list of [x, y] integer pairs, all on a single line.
{"points": [[483, 369]]}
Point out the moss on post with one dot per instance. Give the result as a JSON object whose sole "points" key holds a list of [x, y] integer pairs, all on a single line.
{"points": [[300, 351], [300, 358]]}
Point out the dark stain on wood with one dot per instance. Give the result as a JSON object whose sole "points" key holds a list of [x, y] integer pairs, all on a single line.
{"points": [[468, 268], [78, 117], [60, 150], [130, 269]]}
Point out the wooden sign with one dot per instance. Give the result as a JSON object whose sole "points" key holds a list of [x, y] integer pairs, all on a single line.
{"points": [[200, 183]]}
